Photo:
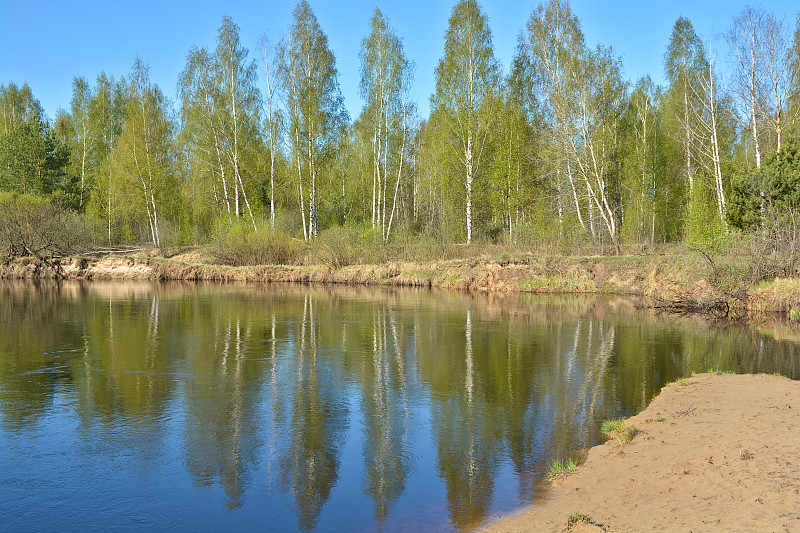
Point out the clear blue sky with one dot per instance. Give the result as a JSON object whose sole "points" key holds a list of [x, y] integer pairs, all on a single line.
{"points": [[47, 43]]}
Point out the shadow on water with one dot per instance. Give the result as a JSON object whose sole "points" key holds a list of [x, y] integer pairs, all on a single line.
{"points": [[321, 408]]}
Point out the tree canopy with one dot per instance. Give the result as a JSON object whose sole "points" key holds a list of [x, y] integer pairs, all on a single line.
{"points": [[556, 150]]}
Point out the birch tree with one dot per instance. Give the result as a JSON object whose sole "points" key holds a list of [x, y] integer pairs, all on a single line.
{"points": [[746, 39], [143, 158], [82, 128], [684, 63], [793, 67], [107, 116], [640, 214], [552, 43], [600, 97], [238, 77], [219, 109], [512, 143], [273, 121], [707, 132], [779, 72], [385, 80], [203, 132], [315, 109], [467, 83]]}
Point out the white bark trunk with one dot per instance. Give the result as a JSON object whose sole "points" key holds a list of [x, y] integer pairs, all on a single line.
{"points": [[271, 127], [399, 173], [83, 162], [575, 198], [721, 207], [753, 95], [469, 179]]}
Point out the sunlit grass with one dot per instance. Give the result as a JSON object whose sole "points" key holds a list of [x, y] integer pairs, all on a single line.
{"points": [[577, 517], [559, 468], [618, 429]]}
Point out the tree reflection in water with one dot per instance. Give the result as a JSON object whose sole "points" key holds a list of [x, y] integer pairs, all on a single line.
{"points": [[318, 403]]}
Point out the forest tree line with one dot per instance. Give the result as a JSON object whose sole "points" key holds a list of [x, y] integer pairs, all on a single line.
{"points": [[557, 147]]}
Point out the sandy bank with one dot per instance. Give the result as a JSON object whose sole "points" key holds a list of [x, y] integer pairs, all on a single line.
{"points": [[660, 277], [631, 275], [715, 453]]}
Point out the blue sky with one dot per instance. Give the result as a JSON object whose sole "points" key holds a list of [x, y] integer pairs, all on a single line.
{"points": [[47, 43]]}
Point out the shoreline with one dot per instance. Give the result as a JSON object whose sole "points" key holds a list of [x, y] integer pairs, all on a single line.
{"points": [[661, 278], [712, 453]]}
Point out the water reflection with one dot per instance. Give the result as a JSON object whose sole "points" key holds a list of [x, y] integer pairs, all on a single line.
{"points": [[383, 377], [222, 392], [318, 420], [305, 407]]}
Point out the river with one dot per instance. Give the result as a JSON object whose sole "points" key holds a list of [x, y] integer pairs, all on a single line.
{"points": [[144, 406]]}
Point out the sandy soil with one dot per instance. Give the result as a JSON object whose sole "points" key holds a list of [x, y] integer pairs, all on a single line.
{"points": [[718, 453]]}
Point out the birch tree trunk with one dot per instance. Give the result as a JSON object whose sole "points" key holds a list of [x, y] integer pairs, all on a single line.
{"points": [[745, 37], [271, 127], [467, 88]]}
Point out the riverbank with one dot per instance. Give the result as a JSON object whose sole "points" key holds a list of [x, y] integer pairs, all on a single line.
{"points": [[662, 277], [712, 453]]}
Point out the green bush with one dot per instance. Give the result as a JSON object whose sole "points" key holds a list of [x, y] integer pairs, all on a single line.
{"points": [[339, 246], [241, 245], [705, 230]]}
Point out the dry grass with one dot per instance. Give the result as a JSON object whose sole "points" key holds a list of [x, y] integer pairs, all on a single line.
{"points": [[782, 294]]}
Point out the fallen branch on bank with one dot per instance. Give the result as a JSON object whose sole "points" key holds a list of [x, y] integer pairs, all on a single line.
{"points": [[683, 305], [111, 251]]}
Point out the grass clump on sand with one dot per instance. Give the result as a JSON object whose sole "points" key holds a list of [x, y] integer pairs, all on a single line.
{"points": [[577, 517], [559, 468], [619, 429]]}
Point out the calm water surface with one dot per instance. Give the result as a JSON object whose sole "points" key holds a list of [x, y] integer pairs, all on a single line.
{"points": [[184, 407]]}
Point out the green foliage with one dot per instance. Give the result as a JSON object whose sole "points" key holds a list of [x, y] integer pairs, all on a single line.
{"points": [[559, 468], [142, 167], [705, 230], [576, 518], [556, 155], [316, 116], [466, 98], [647, 180], [240, 245], [767, 202], [386, 76], [221, 130], [770, 192], [339, 246], [612, 426], [618, 429], [32, 159], [685, 58]]}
